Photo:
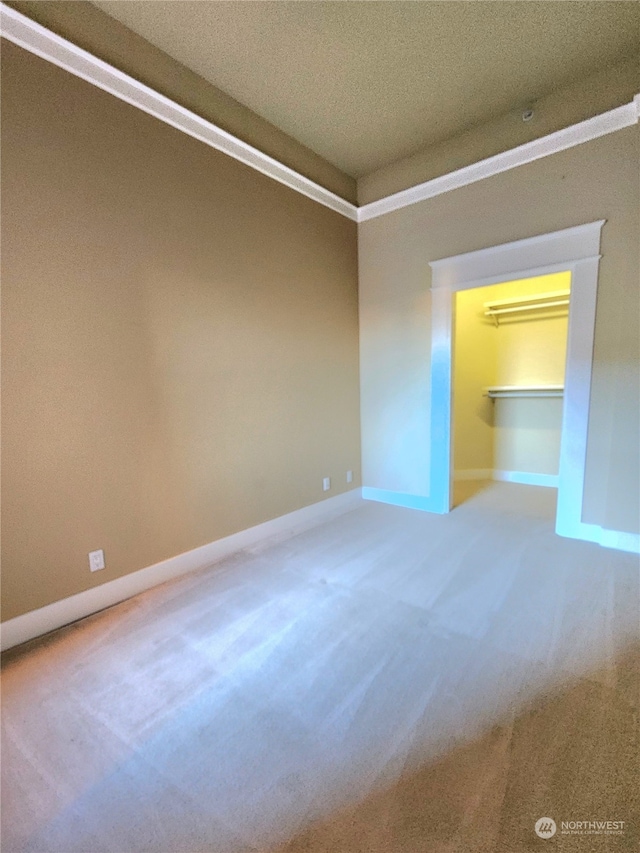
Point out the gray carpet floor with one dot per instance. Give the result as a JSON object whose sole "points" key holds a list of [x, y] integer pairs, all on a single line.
{"points": [[389, 681]]}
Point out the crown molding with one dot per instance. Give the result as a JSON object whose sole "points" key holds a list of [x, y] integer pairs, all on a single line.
{"points": [[40, 41], [600, 125], [35, 38]]}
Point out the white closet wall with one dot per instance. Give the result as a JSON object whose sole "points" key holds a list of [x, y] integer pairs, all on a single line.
{"points": [[518, 356]]}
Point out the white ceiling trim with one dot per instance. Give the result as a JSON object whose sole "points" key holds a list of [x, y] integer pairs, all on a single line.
{"points": [[37, 39], [568, 137]]}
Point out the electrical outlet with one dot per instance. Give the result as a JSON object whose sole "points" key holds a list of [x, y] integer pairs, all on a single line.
{"points": [[349, 476], [326, 484], [96, 560]]}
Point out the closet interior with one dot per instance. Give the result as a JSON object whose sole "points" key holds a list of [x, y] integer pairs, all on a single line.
{"points": [[510, 345]]}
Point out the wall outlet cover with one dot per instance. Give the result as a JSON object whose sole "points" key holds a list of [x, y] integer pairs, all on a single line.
{"points": [[96, 560]]}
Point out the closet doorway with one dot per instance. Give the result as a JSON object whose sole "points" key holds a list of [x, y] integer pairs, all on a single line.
{"points": [[509, 353], [574, 250]]}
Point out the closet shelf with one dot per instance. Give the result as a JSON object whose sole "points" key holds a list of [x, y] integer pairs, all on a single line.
{"points": [[539, 301], [498, 391]]}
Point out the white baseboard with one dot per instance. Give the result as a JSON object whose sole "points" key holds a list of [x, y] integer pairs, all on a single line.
{"points": [[527, 479], [524, 477], [620, 541], [45, 619], [616, 539], [386, 496]]}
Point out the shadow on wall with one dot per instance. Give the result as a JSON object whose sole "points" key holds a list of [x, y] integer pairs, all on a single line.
{"points": [[464, 490]]}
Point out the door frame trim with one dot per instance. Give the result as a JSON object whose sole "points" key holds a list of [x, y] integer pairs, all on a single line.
{"points": [[576, 249]]}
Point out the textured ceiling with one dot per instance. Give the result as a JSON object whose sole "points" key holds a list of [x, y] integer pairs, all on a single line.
{"points": [[366, 83]]}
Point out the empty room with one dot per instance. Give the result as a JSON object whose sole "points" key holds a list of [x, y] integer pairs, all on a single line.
{"points": [[320, 426]]}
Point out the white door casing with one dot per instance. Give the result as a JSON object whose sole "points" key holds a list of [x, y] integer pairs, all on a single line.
{"points": [[575, 249]]}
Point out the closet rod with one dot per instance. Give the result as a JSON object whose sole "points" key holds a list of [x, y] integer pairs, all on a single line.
{"points": [[554, 299], [531, 307]]}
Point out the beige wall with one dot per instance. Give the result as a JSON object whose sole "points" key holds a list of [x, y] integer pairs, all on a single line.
{"points": [[586, 98], [474, 368], [596, 180], [180, 340], [92, 29]]}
